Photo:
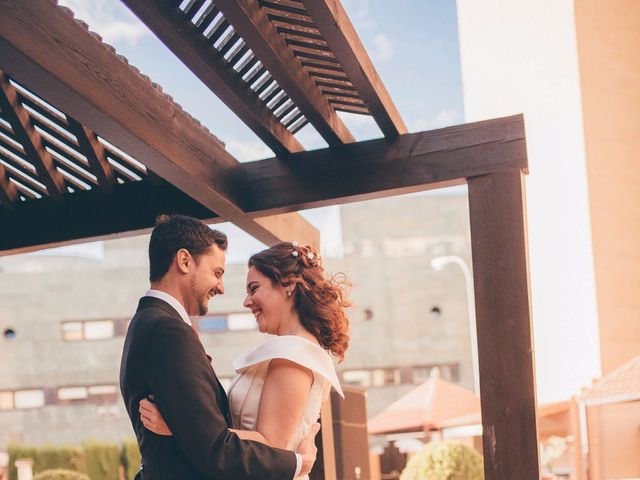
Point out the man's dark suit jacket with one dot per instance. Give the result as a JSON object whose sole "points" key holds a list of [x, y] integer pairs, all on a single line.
{"points": [[163, 356]]}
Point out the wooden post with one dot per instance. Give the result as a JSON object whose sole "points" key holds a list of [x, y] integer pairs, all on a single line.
{"points": [[503, 316], [325, 466]]}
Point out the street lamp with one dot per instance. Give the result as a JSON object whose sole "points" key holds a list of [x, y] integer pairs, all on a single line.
{"points": [[438, 263]]}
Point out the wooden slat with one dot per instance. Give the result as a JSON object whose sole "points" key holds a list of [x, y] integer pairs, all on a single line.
{"points": [[336, 28], [503, 316], [26, 176], [383, 167], [43, 48], [14, 148], [215, 72], [96, 155], [252, 23], [132, 206], [308, 32], [30, 139], [8, 191], [352, 109]]}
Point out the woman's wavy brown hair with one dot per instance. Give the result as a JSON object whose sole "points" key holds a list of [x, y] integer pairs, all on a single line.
{"points": [[320, 302]]}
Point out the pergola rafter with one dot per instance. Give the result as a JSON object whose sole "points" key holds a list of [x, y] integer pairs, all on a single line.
{"points": [[174, 145], [253, 24], [29, 138], [96, 155], [215, 68], [127, 152], [340, 35]]}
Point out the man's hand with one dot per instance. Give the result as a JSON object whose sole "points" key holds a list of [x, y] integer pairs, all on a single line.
{"points": [[308, 451]]}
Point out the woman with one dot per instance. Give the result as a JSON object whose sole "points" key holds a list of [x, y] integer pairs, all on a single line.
{"points": [[279, 386]]}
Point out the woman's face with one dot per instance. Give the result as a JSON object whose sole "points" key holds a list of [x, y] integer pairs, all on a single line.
{"points": [[268, 302]]}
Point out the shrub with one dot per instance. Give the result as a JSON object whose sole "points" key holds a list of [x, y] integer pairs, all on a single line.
{"points": [[60, 475], [102, 460], [130, 458], [46, 458], [446, 460]]}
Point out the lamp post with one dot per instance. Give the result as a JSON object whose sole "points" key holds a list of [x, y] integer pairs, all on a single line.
{"points": [[438, 263]]}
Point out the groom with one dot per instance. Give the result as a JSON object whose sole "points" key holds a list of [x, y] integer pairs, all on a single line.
{"points": [[163, 356]]}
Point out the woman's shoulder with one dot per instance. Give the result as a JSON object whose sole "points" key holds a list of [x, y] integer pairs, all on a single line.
{"points": [[296, 349]]}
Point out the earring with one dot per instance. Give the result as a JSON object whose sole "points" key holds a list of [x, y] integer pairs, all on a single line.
{"points": [[289, 292]]}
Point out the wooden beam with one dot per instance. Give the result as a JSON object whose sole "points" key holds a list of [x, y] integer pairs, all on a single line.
{"points": [[503, 316], [253, 25], [186, 41], [96, 155], [43, 48], [383, 167], [336, 28], [132, 206], [8, 191], [31, 141]]}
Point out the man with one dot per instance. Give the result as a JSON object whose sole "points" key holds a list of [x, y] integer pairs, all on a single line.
{"points": [[163, 357]]}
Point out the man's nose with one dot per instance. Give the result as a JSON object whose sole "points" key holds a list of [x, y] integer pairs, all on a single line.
{"points": [[220, 288]]}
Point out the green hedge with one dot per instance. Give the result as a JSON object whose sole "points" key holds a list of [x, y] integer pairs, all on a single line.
{"points": [[102, 460], [46, 458], [130, 458], [60, 474], [98, 460]]}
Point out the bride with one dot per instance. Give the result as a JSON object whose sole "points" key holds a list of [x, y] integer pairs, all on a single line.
{"points": [[279, 387]]}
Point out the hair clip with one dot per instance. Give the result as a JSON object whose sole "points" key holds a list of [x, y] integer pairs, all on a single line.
{"points": [[310, 256], [294, 243], [294, 253]]}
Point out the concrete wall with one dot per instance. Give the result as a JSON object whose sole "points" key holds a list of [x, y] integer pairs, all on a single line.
{"points": [[387, 248]]}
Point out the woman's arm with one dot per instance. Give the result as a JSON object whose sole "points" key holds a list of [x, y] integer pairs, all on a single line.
{"points": [[284, 398]]}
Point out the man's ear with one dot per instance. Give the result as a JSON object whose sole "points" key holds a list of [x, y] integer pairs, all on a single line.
{"points": [[183, 260]]}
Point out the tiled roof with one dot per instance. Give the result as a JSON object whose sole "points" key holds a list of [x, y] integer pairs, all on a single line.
{"points": [[426, 407], [621, 385]]}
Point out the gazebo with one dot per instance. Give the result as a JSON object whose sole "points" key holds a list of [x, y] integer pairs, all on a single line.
{"points": [[90, 148], [425, 408]]}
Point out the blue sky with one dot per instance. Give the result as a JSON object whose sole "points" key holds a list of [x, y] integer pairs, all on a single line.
{"points": [[413, 45]]}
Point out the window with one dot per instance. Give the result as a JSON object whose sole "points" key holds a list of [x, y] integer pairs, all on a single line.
{"points": [[213, 323], [97, 330], [72, 331], [385, 376], [29, 398], [360, 378], [241, 321], [87, 330], [6, 400], [421, 373], [72, 393], [223, 322], [103, 390], [9, 334]]}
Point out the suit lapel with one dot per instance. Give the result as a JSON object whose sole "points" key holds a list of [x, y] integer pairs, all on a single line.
{"points": [[221, 395]]}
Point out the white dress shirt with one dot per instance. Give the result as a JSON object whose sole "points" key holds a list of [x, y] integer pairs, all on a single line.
{"points": [[178, 307]]}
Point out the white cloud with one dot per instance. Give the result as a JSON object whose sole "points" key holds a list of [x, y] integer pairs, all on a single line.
{"points": [[444, 118], [109, 19], [383, 48], [247, 150]]}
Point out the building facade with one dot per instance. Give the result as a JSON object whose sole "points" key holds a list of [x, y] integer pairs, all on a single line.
{"points": [[64, 314], [571, 67]]}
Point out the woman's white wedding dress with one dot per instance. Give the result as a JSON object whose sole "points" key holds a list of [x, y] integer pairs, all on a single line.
{"points": [[251, 370]]}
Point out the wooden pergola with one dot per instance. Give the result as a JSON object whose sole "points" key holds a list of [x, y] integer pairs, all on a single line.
{"points": [[91, 148]]}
